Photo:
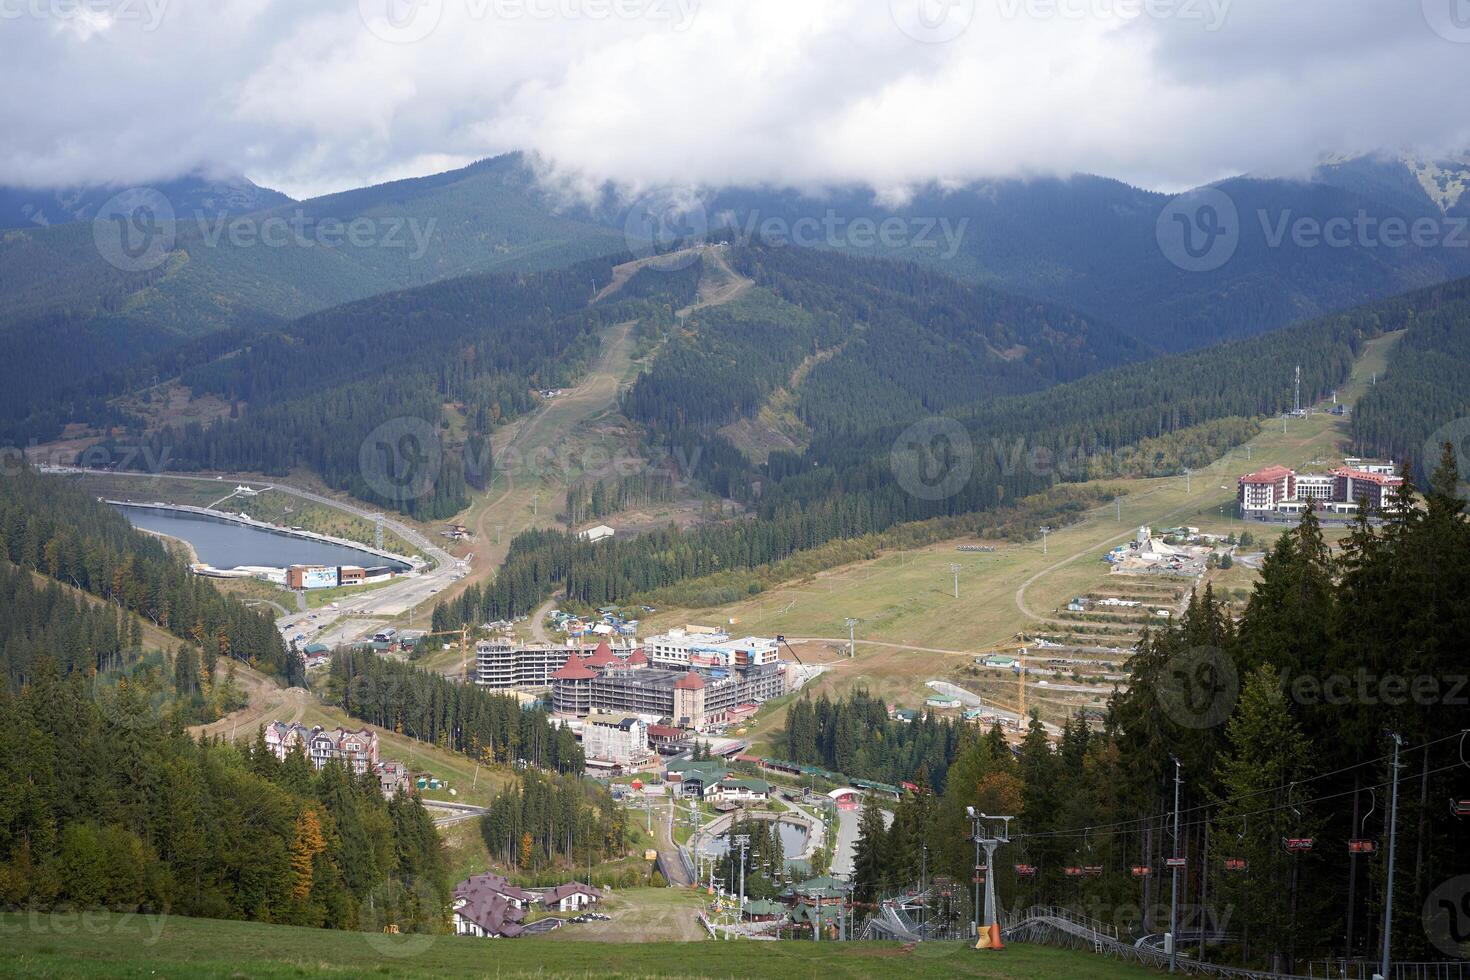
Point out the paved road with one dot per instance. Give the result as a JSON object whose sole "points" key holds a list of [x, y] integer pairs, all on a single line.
{"points": [[974, 700], [669, 858], [847, 835], [397, 597]]}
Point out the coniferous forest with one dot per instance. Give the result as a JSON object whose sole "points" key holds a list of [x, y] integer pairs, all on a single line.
{"points": [[1281, 724], [109, 807], [432, 708], [50, 526]]}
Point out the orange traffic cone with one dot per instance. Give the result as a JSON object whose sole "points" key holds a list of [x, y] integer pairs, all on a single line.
{"points": [[990, 937]]}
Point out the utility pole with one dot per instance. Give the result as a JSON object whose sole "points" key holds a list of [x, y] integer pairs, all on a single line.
{"points": [[924, 886], [1393, 826], [990, 939], [743, 840], [498, 529], [1174, 875], [954, 570], [1119, 501], [852, 637], [1044, 532], [1188, 483], [1021, 685]]}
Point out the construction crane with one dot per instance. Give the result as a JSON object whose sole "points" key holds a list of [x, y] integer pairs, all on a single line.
{"points": [[464, 645], [782, 640]]}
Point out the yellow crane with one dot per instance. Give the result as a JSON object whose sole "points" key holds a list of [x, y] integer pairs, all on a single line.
{"points": [[464, 645]]}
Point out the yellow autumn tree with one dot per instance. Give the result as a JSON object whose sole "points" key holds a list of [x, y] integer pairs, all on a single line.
{"points": [[306, 844]]}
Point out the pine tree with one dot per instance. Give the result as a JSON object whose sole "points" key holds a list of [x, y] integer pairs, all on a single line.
{"points": [[306, 844], [869, 864], [1259, 807]]}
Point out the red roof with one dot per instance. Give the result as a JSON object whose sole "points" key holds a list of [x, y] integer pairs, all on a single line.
{"points": [[637, 658], [1382, 479], [603, 656], [574, 670], [690, 682], [1271, 474]]}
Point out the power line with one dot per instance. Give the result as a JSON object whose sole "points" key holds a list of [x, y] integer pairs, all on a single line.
{"points": [[1162, 820]]}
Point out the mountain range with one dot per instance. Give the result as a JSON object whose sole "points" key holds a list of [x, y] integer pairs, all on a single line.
{"points": [[238, 259]]}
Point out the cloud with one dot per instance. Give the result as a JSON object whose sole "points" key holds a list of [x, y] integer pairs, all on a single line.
{"points": [[321, 96]]}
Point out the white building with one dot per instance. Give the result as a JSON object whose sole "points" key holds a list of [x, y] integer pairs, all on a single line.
{"points": [[1313, 486], [682, 648], [599, 533], [570, 897], [1265, 490], [506, 664], [619, 739]]}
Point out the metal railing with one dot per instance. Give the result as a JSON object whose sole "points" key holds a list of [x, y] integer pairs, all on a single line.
{"points": [[1364, 970], [1061, 926]]}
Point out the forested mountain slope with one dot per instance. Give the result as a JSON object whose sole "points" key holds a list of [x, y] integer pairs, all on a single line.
{"points": [[949, 469], [1093, 244], [71, 323], [440, 366], [30, 207], [1423, 400]]}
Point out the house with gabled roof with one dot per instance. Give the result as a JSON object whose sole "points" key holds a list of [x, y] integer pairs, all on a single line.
{"points": [[496, 884], [570, 897], [487, 914]]}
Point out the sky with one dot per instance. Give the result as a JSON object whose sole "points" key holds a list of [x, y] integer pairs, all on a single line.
{"points": [[314, 96]]}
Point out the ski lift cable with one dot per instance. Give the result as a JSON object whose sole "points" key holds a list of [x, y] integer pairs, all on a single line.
{"points": [[1165, 819], [1161, 821]]}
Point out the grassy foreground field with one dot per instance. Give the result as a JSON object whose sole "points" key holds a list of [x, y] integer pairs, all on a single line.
{"points": [[106, 945]]}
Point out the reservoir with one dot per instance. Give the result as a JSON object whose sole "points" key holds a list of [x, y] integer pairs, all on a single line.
{"points": [[793, 841], [225, 544]]}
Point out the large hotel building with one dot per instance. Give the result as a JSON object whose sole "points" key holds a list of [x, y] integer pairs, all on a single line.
{"points": [[1278, 491], [692, 679]]}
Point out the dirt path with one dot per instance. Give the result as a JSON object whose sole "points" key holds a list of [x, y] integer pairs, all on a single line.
{"points": [[538, 620], [532, 465], [719, 284], [528, 466], [268, 702], [669, 858]]}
